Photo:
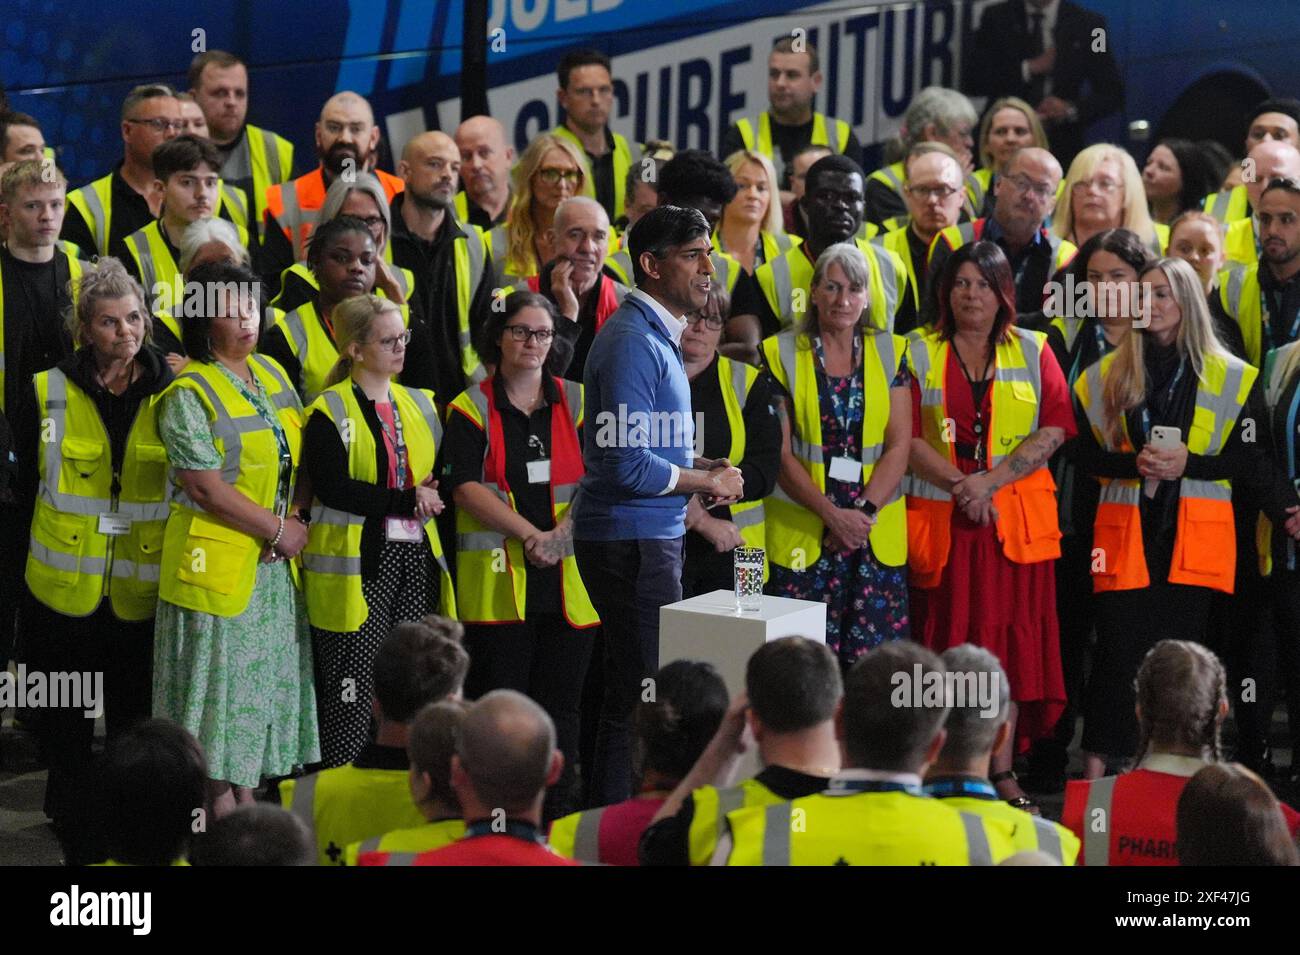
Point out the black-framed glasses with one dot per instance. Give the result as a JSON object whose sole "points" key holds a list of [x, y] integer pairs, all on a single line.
{"points": [[551, 176], [931, 192], [1040, 189], [710, 321], [521, 333], [391, 343], [160, 125]]}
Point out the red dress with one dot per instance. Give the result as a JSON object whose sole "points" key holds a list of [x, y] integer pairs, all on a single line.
{"points": [[986, 599]]}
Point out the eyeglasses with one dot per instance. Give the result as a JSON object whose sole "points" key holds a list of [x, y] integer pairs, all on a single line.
{"points": [[1040, 189], [160, 125], [1104, 185], [710, 321], [521, 333], [371, 221], [930, 192], [390, 344], [551, 176]]}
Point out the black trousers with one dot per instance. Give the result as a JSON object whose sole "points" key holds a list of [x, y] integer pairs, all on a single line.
{"points": [[1076, 615], [1280, 622], [546, 659], [628, 582]]}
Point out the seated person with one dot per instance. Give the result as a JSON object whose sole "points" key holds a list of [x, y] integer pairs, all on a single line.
{"points": [[1228, 816], [256, 834]]}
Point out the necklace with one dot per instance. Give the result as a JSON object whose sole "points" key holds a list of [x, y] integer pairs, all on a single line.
{"points": [[130, 377], [525, 406]]}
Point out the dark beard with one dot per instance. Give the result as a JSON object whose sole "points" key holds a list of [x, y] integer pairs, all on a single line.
{"points": [[431, 202], [336, 155]]}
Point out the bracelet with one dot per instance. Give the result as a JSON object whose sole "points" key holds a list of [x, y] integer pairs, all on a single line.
{"points": [[278, 534]]}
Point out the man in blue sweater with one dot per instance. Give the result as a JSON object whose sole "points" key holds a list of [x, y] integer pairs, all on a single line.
{"points": [[641, 468]]}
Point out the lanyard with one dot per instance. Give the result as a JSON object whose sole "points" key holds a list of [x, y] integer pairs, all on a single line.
{"points": [[961, 787], [840, 403], [394, 436], [1265, 297], [978, 402], [841, 787], [1146, 407], [523, 831]]}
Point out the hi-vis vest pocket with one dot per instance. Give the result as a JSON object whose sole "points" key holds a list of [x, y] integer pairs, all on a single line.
{"points": [[1206, 543], [1118, 559], [146, 469], [82, 458], [215, 556], [65, 536], [1027, 519], [929, 537]]}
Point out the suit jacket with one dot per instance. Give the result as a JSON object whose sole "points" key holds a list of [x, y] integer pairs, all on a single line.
{"points": [[1089, 80]]}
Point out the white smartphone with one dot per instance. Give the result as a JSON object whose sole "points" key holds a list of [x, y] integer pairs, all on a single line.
{"points": [[1163, 438]]}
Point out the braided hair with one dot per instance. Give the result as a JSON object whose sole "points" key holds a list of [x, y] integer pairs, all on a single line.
{"points": [[1180, 688]]}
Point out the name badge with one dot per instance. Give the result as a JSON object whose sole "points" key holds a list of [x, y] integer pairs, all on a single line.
{"points": [[114, 525], [848, 470], [404, 529], [539, 472]]}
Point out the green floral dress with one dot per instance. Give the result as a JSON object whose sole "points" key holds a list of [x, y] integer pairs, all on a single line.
{"points": [[242, 685]]}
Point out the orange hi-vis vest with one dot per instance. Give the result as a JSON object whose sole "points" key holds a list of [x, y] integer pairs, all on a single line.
{"points": [[295, 205], [1205, 546], [1027, 514]]}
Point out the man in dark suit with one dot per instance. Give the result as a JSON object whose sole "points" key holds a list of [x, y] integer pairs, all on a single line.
{"points": [[1054, 54]]}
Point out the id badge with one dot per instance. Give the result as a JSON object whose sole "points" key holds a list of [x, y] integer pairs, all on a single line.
{"points": [[404, 529], [847, 470], [114, 525], [539, 472]]}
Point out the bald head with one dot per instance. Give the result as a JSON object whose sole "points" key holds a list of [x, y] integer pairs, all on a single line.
{"points": [[1271, 159], [1026, 192], [485, 158], [346, 134], [1036, 163], [430, 167], [506, 747]]}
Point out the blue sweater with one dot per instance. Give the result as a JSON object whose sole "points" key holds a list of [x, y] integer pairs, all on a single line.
{"points": [[638, 422]]}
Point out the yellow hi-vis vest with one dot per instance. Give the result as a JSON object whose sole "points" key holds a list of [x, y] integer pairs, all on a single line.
{"points": [[232, 204], [346, 804], [1239, 293], [401, 846], [312, 345], [1205, 545], [735, 379], [787, 279], [1027, 523], [1029, 833], [893, 827], [71, 564], [1274, 385], [269, 156], [1241, 242], [794, 533], [622, 165], [1228, 206], [302, 271], [159, 272], [207, 565], [895, 240], [75, 269], [955, 236], [332, 557], [485, 593], [95, 203], [709, 816], [822, 125]]}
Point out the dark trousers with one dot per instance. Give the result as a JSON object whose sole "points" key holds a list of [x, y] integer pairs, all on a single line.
{"points": [[1241, 632], [1075, 614], [123, 652], [546, 659], [628, 582], [1283, 590]]}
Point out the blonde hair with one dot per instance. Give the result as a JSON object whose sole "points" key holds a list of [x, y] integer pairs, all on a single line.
{"points": [[1125, 385], [1134, 215], [773, 220], [28, 173], [106, 279], [352, 319], [520, 231], [986, 127]]}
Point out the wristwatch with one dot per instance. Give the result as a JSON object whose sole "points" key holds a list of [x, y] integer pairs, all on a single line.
{"points": [[868, 508]]}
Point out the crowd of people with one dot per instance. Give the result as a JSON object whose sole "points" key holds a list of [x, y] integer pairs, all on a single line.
{"points": [[337, 479]]}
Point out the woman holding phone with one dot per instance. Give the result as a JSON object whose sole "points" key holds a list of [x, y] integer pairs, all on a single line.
{"points": [[1158, 427]]}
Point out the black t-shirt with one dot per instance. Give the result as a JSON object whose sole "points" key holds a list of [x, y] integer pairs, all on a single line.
{"points": [[35, 334]]}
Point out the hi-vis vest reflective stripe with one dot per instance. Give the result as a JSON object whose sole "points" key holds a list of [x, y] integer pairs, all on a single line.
{"points": [[955, 236], [1029, 833], [794, 533], [490, 568], [302, 272], [401, 846], [71, 565], [332, 557], [270, 157], [1096, 845], [232, 204], [296, 204], [75, 267], [735, 379], [763, 143], [462, 207], [470, 255], [345, 804], [872, 828], [1241, 242], [711, 807], [577, 836], [312, 345], [1240, 294], [896, 241], [95, 203], [1027, 522], [978, 184], [622, 165], [786, 280], [727, 268], [157, 267], [208, 565], [1205, 546], [1228, 206]]}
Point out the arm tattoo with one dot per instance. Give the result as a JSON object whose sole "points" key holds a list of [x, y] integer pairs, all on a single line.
{"points": [[1033, 453]]}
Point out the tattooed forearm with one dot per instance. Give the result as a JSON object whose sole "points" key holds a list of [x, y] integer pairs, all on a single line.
{"points": [[1034, 451]]}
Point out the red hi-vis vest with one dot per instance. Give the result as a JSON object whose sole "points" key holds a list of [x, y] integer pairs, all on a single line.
{"points": [[1205, 547], [1027, 513]]}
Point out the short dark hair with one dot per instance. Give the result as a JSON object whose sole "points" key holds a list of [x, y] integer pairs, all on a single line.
{"points": [[325, 233], [196, 308], [661, 229], [1275, 104], [1227, 816], [578, 58], [1284, 183], [12, 118], [785, 44], [1125, 245], [693, 173], [184, 154], [152, 782], [793, 684], [416, 665], [878, 734], [432, 743], [674, 727], [489, 347], [992, 263], [218, 58], [261, 834], [835, 162], [1197, 171]]}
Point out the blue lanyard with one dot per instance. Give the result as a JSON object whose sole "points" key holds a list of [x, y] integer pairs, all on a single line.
{"points": [[961, 787], [1146, 407], [839, 404], [1267, 316], [524, 831], [399, 444], [842, 787]]}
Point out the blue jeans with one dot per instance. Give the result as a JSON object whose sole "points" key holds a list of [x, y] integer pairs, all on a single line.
{"points": [[628, 581]]}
